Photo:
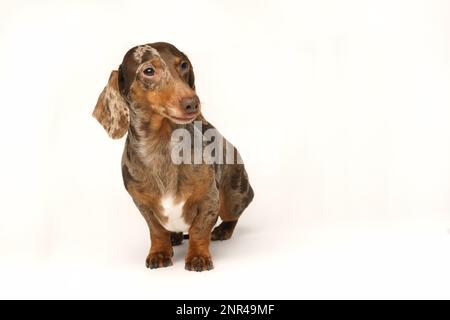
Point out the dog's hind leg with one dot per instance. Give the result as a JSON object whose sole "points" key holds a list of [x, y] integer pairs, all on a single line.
{"points": [[223, 231], [230, 217], [176, 238]]}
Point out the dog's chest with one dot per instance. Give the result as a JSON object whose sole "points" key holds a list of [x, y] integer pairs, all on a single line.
{"points": [[173, 212]]}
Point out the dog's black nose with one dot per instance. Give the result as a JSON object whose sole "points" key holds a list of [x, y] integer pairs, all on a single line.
{"points": [[190, 104]]}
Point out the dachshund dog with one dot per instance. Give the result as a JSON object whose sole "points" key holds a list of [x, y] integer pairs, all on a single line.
{"points": [[150, 96]]}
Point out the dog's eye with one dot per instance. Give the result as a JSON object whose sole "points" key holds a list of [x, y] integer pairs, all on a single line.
{"points": [[149, 71], [184, 66]]}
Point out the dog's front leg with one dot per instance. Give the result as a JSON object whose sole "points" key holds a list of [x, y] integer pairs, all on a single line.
{"points": [[198, 257], [161, 250]]}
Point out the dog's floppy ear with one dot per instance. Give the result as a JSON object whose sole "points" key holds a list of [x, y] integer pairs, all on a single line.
{"points": [[112, 110]]}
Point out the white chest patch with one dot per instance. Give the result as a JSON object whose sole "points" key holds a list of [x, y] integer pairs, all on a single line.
{"points": [[173, 211]]}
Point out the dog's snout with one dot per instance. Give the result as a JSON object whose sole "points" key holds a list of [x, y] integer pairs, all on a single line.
{"points": [[190, 104]]}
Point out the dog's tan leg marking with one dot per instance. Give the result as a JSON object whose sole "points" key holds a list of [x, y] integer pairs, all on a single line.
{"points": [[161, 250], [198, 257]]}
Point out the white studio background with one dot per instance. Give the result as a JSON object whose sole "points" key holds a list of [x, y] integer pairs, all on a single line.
{"points": [[340, 110]]}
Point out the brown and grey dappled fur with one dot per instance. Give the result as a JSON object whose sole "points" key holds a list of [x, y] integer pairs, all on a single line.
{"points": [[149, 108]]}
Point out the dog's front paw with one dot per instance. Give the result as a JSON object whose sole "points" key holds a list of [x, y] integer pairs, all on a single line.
{"points": [[158, 260], [199, 263]]}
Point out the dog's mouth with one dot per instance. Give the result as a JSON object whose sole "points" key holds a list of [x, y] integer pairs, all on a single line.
{"points": [[182, 120]]}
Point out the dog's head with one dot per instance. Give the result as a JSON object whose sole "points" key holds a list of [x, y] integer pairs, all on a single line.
{"points": [[153, 78]]}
